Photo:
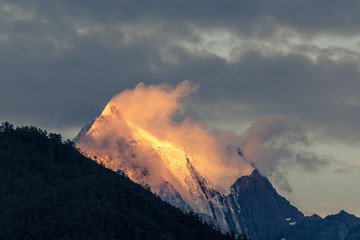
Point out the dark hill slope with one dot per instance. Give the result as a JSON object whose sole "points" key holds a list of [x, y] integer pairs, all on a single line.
{"points": [[48, 190]]}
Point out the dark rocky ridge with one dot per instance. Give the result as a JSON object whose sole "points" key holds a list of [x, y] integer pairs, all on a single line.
{"points": [[261, 211], [264, 214]]}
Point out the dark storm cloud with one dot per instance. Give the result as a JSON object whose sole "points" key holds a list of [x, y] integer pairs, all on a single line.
{"points": [[251, 17], [256, 17], [324, 94], [61, 62]]}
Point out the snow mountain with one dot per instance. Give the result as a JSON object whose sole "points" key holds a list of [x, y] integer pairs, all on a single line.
{"points": [[248, 205]]}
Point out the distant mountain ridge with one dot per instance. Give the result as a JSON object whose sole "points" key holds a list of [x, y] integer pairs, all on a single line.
{"points": [[337, 226]]}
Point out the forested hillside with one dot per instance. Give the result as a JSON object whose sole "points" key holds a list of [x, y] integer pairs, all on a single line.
{"points": [[48, 190]]}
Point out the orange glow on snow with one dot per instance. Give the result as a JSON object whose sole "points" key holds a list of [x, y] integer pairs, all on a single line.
{"points": [[136, 131]]}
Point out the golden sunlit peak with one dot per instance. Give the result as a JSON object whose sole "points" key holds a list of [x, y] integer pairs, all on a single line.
{"points": [[173, 155], [146, 136], [129, 131], [109, 110]]}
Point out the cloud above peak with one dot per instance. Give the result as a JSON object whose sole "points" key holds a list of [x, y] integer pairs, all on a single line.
{"points": [[141, 120]]}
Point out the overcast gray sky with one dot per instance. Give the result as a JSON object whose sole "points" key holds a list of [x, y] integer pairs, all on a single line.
{"points": [[293, 64]]}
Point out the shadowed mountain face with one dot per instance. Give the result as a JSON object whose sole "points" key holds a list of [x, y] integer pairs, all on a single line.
{"points": [[354, 234], [261, 211], [48, 190]]}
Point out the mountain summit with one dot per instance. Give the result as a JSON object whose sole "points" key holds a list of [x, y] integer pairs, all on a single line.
{"points": [[170, 170]]}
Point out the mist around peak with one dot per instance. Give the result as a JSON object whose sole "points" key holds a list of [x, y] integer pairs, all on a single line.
{"points": [[137, 128]]}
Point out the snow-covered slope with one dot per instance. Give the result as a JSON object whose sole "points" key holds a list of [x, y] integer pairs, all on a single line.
{"points": [[169, 170], [172, 173]]}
